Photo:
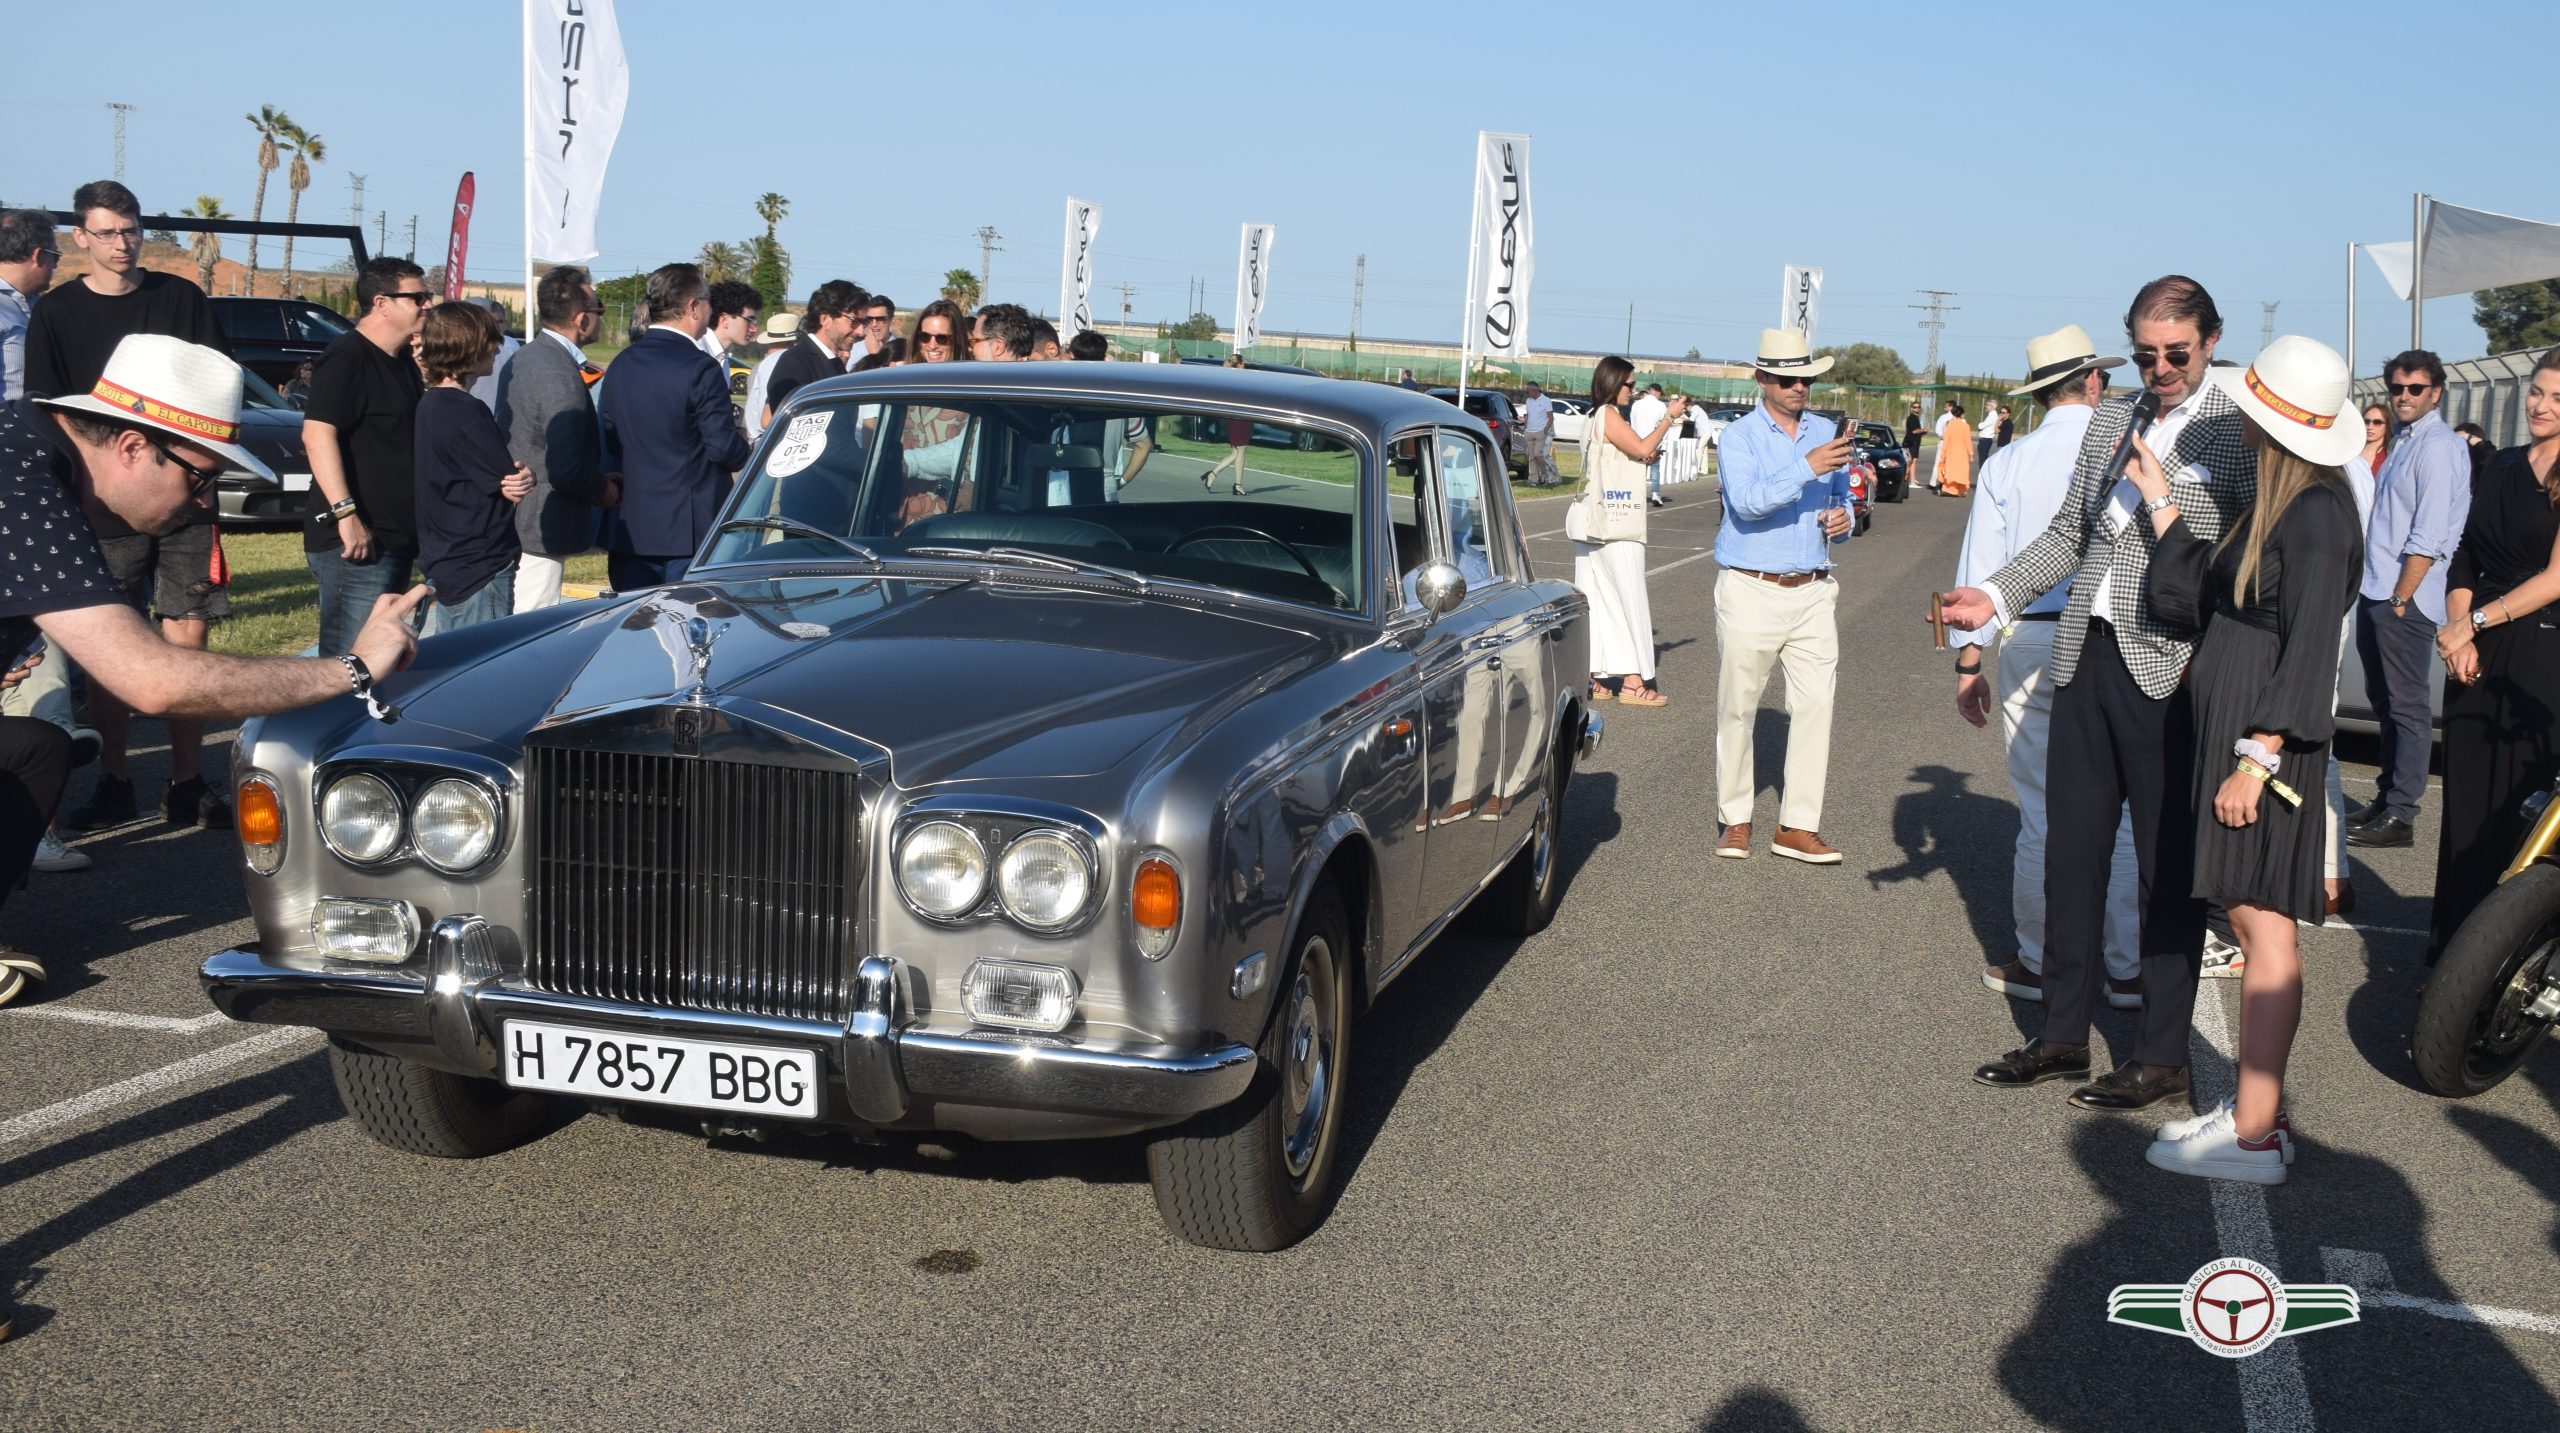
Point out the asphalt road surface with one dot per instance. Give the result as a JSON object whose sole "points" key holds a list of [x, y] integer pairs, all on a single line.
{"points": [[1705, 1155]]}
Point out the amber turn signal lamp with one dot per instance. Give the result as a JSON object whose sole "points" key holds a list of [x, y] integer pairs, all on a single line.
{"points": [[1155, 905], [260, 817]]}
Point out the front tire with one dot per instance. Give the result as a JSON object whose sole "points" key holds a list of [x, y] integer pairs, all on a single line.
{"points": [[1523, 899], [416, 1110], [2472, 1029], [1257, 1174]]}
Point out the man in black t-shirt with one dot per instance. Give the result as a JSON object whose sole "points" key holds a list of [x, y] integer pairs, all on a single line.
{"points": [[178, 576], [358, 426]]}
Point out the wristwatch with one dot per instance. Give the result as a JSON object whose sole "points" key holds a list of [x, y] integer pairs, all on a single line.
{"points": [[2153, 505], [2259, 752], [2479, 619]]}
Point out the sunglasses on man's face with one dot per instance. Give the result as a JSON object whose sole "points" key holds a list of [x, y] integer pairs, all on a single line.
{"points": [[2408, 390], [420, 297], [2176, 356], [1796, 381], [198, 479]]}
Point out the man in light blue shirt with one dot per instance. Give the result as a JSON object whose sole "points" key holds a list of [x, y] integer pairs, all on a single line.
{"points": [[28, 253], [2420, 500], [1785, 499]]}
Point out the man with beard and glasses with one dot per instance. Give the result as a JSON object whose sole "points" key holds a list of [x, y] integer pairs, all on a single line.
{"points": [[2122, 727]]}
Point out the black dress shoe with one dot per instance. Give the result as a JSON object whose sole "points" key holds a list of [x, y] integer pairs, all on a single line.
{"points": [[2389, 831], [2126, 1088], [2034, 1065], [2368, 813]]}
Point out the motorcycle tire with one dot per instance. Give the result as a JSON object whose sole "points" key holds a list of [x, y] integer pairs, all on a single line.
{"points": [[2472, 1031]]}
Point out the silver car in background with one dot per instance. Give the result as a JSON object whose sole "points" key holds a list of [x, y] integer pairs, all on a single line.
{"points": [[997, 768]]}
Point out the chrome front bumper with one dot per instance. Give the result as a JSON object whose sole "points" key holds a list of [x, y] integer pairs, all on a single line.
{"points": [[885, 1061]]}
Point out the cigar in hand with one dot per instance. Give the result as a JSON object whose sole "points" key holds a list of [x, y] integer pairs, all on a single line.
{"points": [[1937, 623]]}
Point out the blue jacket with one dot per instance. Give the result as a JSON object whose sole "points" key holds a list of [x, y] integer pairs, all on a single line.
{"points": [[666, 413]]}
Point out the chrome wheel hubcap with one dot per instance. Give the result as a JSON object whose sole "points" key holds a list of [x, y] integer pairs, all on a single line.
{"points": [[1306, 1058]]}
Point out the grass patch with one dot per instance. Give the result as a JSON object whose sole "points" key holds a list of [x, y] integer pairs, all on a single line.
{"points": [[275, 606]]}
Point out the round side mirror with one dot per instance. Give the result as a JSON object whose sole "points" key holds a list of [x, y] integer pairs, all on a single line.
{"points": [[1439, 587]]}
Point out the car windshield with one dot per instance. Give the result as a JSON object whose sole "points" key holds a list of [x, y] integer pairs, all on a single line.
{"points": [[256, 392], [1256, 504]]}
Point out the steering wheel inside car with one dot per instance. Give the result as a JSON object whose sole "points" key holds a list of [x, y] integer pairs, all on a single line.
{"points": [[1237, 529]]}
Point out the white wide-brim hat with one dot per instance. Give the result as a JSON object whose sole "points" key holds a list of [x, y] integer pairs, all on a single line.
{"points": [[2064, 353], [780, 327], [1782, 350], [184, 389], [2298, 391]]}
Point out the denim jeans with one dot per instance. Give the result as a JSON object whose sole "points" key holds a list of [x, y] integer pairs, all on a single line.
{"points": [[347, 590], [495, 599]]}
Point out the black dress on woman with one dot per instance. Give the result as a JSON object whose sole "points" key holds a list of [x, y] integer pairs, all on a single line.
{"points": [[2268, 663], [2501, 733]]}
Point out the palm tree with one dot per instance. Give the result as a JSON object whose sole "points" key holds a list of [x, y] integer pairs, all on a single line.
{"points": [[771, 208], [308, 149], [721, 262], [961, 287], [207, 248], [270, 123]]}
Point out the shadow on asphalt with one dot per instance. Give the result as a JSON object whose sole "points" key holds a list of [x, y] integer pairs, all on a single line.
{"points": [[2526, 1152], [2385, 1005], [1947, 826], [308, 1101], [1757, 1409], [2068, 1368]]}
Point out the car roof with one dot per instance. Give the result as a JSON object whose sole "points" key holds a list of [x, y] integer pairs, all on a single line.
{"points": [[1353, 403]]}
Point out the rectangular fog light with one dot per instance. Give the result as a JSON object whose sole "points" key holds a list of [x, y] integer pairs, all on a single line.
{"points": [[1020, 996], [356, 928]]}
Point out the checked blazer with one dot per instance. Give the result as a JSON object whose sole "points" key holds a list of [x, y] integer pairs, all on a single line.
{"points": [[2212, 472]]}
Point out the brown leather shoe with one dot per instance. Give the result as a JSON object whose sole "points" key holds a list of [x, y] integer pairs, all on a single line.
{"points": [[1805, 846], [2014, 980], [1735, 843]]}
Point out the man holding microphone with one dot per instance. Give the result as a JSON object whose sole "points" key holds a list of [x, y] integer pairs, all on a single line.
{"points": [[1785, 503]]}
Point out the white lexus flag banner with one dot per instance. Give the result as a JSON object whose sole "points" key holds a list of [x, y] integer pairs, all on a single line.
{"points": [[576, 82], [1501, 260], [1800, 300], [2471, 249], [1075, 280], [1253, 282]]}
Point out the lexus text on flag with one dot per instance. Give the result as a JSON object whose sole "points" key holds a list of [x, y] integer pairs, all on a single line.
{"points": [[457, 242], [1075, 279], [1501, 261], [1253, 282], [575, 84], [1800, 299]]}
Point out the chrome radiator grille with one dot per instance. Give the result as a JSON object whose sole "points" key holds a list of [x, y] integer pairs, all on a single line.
{"points": [[701, 885]]}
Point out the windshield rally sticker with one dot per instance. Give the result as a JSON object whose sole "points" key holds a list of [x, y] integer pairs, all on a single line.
{"points": [[800, 445]]}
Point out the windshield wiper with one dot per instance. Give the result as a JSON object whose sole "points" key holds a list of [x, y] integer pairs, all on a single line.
{"points": [[1025, 557], [796, 528]]}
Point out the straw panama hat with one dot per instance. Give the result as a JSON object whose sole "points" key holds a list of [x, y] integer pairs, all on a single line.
{"points": [[781, 327], [2297, 391], [181, 388], [2064, 353], [1782, 350]]}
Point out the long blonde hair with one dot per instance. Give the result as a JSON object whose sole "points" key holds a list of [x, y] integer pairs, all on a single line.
{"points": [[2282, 477]]}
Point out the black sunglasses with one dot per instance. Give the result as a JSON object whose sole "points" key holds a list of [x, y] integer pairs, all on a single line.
{"points": [[2176, 356], [935, 338], [1788, 381], [420, 297], [2411, 390], [198, 479]]}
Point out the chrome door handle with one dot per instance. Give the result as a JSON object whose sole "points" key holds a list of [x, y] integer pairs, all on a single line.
{"points": [[1488, 643]]}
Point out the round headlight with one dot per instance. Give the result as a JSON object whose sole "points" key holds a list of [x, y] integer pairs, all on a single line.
{"points": [[943, 869], [1043, 880], [360, 817], [454, 824]]}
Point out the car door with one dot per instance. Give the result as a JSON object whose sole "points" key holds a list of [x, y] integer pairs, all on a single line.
{"points": [[1518, 630], [1458, 661]]}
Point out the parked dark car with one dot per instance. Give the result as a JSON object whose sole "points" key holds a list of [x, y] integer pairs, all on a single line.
{"points": [[1880, 448], [984, 774], [1494, 410], [271, 428], [273, 337]]}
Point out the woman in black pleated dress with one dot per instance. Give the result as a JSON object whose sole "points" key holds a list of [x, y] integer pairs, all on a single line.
{"points": [[2502, 699], [2270, 596]]}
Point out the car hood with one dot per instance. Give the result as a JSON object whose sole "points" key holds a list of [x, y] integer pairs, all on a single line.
{"points": [[956, 679]]}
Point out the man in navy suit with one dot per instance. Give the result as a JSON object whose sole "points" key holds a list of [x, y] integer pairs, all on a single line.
{"points": [[666, 412]]}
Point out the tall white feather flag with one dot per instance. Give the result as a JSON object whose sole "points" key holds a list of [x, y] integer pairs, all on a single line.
{"points": [[1253, 282], [1075, 279], [1501, 261], [576, 82], [1800, 300]]}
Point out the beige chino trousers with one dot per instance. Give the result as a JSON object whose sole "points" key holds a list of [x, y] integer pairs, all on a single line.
{"points": [[1760, 625]]}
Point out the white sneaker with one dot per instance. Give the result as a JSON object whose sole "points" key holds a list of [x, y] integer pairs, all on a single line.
{"points": [[2179, 1129], [52, 855], [2222, 959], [2213, 1151]]}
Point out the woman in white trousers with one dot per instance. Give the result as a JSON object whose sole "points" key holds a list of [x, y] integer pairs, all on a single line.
{"points": [[1608, 549]]}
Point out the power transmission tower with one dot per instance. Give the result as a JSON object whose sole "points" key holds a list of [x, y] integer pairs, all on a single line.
{"points": [[987, 249], [2267, 328], [1126, 291], [413, 238], [355, 204], [1359, 291], [122, 109], [1938, 308], [381, 230]]}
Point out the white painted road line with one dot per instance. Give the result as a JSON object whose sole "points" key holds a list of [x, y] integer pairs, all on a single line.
{"points": [[2274, 1398], [164, 1024], [1683, 562], [150, 1082], [2370, 1274]]}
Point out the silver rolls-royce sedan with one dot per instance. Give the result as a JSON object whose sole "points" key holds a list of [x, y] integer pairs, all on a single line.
{"points": [[1033, 751]]}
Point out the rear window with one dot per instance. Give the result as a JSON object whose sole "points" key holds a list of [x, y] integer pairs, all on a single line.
{"points": [[251, 319], [1256, 504]]}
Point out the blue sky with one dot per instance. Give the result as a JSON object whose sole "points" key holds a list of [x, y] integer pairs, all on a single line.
{"points": [[2040, 164]]}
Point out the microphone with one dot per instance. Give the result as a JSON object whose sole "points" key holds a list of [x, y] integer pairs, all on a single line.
{"points": [[2145, 408]]}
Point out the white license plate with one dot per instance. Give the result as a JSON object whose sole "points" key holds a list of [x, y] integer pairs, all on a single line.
{"points": [[661, 1069]]}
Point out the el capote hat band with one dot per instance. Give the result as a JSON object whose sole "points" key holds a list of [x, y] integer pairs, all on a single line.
{"points": [[213, 429], [2289, 411]]}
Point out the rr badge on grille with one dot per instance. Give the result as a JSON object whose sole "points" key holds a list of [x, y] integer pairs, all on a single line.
{"points": [[688, 732]]}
